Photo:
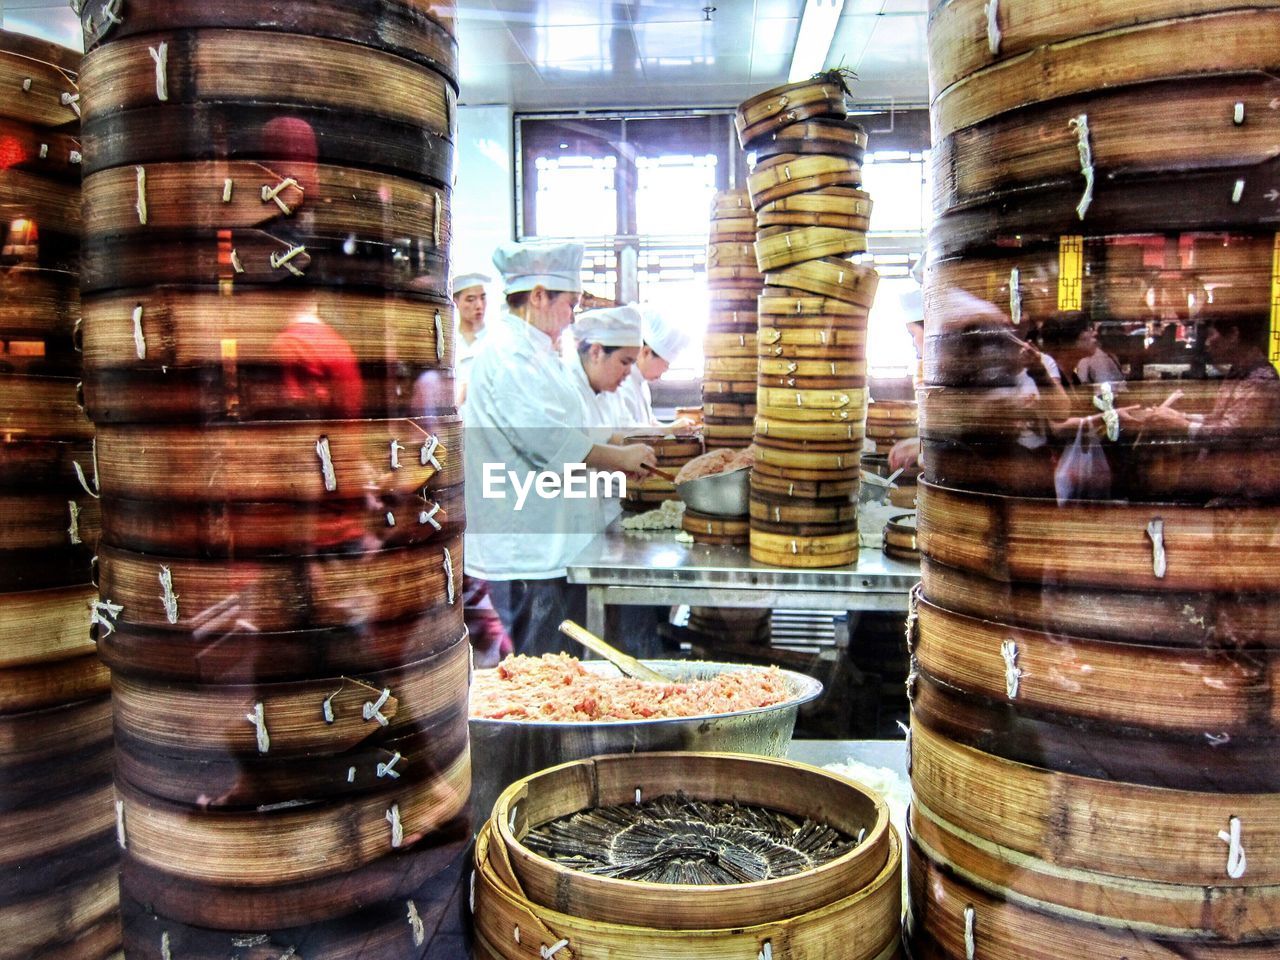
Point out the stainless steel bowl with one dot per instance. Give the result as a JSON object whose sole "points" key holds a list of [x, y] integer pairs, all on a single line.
{"points": [[504, 751], [719, 495]]}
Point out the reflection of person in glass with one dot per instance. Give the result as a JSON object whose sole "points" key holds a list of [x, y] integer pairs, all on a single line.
{"points": [[526, 418], [1249, 390]]}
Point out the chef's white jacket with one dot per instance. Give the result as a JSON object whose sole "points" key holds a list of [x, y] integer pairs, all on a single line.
{"points": [[635, 401], [606, 417], [524, 411]]}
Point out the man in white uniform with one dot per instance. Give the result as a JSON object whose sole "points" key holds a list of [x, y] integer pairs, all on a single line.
{"points": [[469, 301], [526, 420], [663, 343]]}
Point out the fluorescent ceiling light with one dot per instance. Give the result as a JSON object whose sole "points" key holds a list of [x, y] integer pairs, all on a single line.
{"points": [[817, 28]]}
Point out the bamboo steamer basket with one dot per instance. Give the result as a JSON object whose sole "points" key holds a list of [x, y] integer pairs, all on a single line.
{"points": [[55, 777], [831, 550], [730, 368], [1175, 690], [821, 406], [1012, 927], [729, 391], [54, 205], [722, 254], [1100, 751], [1213, 42], [1101, 544], [43, 626], [764, 115], [410, 30], [168, 718], [831, 136], [1128, 138], [736, 230], [900, 538], [39, 686], [51, 70], [38, 303], [714, 530], [816, 475], [217, 781], [845, 370], [35, 522], [74, 728], [269, 849], [1115, 828], [791, 246], [960, 40], [716, 412], [730, 205], [797, 490], [806, 458], [41, 408], [786, 307], [45, 465], [730, 344], [829, 277], [280, 594], [230, 65], [601, 917], [1192, 618], [79, 919], [786, 175], [81, 817], [37, 877], [279, 460], [842, 207], [237, 907], [809, 432], [229, 654]]}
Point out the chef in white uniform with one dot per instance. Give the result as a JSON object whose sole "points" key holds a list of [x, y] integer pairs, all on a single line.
{"points": [[526, 422], [663, 342], [470, 301], [607, 344]]}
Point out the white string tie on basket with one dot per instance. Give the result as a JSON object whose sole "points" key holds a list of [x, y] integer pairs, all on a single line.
{"points": [[73, 531], [439, 336], [166, 947], [397, 828], [548, 952], [141, 206], [1236, 863], [1013, 674], [516, 933], [236, 265], [1080, 125], [44, 151], [429, 516], [103, 613], [327, 706], [970, 937], [351, 774], [1159, 561], [396, 447], [271, 194], [71, 100], [75, 157], [84, 481], [388, 769], [448, 576], [391, 519], [428, 455], [994, 36], [471, 894], [326, 464], [168, 597], [139, 339], [228, 187], [913, 614], [160, 55], [1015, 296], [259, 720], [285, 259], [1105, 400], [766, 951], [435, 220], [416, 924], [120, 836], [373, 709]]}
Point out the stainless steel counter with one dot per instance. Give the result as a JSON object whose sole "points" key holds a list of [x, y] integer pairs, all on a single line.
{"points": [[652, 567]]}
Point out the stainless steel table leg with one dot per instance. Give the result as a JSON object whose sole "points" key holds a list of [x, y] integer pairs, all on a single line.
{"points": [[596, 610]]}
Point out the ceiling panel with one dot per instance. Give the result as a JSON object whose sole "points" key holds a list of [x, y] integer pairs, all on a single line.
{"points": [[557, 54]]}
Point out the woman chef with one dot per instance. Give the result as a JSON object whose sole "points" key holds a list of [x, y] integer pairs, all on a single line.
{"points": [[662, 343], [608, 342], [528, 423]]}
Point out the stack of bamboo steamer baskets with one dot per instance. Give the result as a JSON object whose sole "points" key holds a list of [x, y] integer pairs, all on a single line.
{"points": [[268, 350], [58, 858], [672, 453], [889, 421], [1095, 648], [527, 906], [733, 283], [811, 217]]}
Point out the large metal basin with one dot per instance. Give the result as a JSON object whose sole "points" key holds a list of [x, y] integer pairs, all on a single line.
{"points": [[725, 494], [504, 751]]}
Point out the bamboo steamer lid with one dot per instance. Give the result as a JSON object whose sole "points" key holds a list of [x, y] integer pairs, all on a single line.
{"points": [[423, 33], [844, 207], [1101, 751], [765, 114], [1162, 688], [767, 782], [714, 530], [1118, 829], [839, 550], [829, 277], [1213, 42], [826, 135], [782, 246], [786, 175], [1101, 544]]}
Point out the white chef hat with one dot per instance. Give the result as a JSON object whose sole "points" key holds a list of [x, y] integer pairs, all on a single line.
{"points": [[912, 304], [552, 266], [663, 337], [465, 281], [609, 327]]}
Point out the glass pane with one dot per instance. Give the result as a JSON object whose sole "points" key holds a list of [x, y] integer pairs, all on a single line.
{"points": [[576, 197]]}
